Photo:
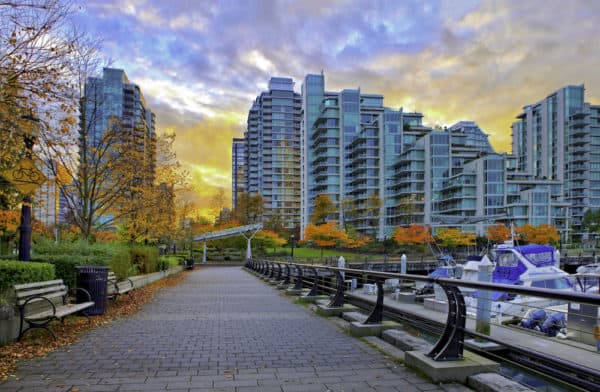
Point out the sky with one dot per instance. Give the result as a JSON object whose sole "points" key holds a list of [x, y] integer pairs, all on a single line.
{"points": [[200, 64]]}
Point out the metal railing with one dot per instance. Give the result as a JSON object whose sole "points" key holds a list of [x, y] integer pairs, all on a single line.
{"points": [[451, 342]]}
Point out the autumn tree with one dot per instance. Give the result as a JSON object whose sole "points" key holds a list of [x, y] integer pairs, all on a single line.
{"points": [[327, 235], [9, 224], [323, 207], [249, 208], [498, 233], [542, 234], [413, 234], [452, 238]]}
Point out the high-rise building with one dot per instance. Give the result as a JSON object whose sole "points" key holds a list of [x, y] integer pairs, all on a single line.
{"points": [[558, 138], [113, 101], [350, 143], [238, 173], [273, 151]]}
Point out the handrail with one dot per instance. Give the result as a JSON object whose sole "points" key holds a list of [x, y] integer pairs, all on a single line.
{"points": [[451, 343]]}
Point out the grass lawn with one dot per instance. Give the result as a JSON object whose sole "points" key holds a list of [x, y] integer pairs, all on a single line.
{"points": [[311, 253]]}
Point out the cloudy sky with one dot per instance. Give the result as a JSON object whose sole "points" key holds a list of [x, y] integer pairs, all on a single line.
{"points": [[200, 64]]}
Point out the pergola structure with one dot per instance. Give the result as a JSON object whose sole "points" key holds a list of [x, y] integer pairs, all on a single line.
{"points": [[248, 232]]}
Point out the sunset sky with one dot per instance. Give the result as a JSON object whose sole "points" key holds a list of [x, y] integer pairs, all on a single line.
{"points": [[200, 64]]}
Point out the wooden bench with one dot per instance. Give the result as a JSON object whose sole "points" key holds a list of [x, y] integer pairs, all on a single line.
{"points": [[116, 288], [41, 302]]}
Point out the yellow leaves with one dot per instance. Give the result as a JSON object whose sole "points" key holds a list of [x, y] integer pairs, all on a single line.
{"points": [[270, 239], [330, 235], [9, 222], [323, 208], [451, 237]]}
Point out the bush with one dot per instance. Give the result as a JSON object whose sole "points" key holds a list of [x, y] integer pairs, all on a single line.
{"points": [[166, 262], [144, 259], [65, 265], [121, 264], [18, 272]]}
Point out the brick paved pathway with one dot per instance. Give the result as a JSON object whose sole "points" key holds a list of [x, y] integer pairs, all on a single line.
{"points": [[222, 329]]}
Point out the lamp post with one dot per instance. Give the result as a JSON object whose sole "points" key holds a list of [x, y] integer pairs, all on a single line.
{"points": [[25, 226], [292, 246]]}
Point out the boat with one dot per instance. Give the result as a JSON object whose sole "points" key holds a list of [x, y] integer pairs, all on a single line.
{"points": [[533, 265]]}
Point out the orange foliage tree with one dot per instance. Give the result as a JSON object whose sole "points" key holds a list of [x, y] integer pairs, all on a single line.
{"points": [[498, 233], [327, 235], [451, 237], [542, 234], [9, 223], [413, 234]]}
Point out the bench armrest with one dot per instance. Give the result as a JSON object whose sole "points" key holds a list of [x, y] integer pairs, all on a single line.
{"points": [[22, 307], [87, 293]]}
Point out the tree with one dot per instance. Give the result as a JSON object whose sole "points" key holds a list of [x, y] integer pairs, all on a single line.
{"points": [[322, 209], [9, 223], [542, 234], [249, 208], [373, 210], [217, 202], [412, 235], [327, 235], [591, 221], [498, 233], [452, 238], [269, 239]]}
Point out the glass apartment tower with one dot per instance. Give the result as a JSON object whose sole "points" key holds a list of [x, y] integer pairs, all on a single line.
{"points": [[238, 164], [272, 140], [558, 138], [349, 145]]}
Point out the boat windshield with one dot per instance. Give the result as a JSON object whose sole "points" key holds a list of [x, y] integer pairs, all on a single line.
{"points": [[558, 283], [540, 258]]}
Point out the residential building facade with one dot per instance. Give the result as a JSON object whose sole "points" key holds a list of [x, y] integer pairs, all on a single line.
{"points": [[238, 171], [558, 138], [273, 151]]}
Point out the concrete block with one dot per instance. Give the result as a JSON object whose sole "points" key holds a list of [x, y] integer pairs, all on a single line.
{"points": [[387, 348], [405, 297], [487, 346], [360, 329], [447, 371], [354, 316], [493, 382], [324, 310], [434, 304], [291, 292], [312, 298], [405, 341]]}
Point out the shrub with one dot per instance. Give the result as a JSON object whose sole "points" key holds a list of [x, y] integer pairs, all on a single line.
{"points": [[65, 265], [18, 272], [121, 264], [144, 259]]}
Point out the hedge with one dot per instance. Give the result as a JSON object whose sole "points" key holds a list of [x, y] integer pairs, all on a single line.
{"points": [[18, 272], [65, 265]]}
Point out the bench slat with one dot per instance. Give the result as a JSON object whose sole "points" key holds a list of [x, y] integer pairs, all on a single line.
{"points": [[50, 296], [25, 286], [23, 295], [61, 311]]}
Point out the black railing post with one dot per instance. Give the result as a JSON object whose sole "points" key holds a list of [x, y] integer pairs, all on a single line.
{"points": [[278, 272], [286, 280], [314, 290], [298, 281], [376, 316], [338, 299], [451, 343]]}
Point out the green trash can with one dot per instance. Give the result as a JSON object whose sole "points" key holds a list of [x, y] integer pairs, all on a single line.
{"points": [[94, 279]]}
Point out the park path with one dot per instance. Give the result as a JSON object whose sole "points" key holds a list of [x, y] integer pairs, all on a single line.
{"points": [[221, 329]]}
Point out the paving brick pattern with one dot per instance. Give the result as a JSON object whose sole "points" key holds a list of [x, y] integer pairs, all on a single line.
{"points": [[222, 329]]}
